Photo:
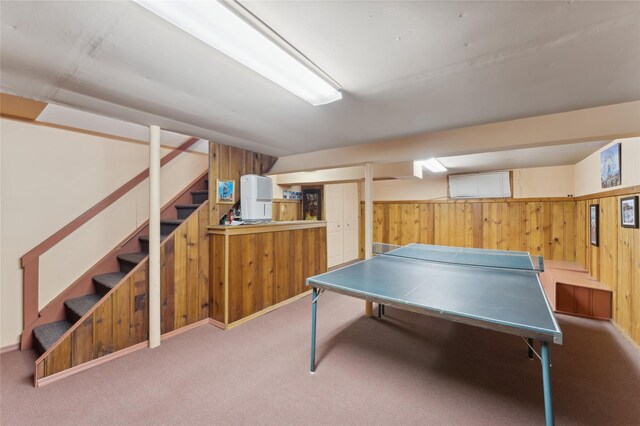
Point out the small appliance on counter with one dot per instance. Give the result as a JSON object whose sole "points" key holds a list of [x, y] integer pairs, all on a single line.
{"points": [[256, 194]]}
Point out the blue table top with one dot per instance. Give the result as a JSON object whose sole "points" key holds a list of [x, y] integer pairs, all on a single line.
{"points": [[491, 288]]}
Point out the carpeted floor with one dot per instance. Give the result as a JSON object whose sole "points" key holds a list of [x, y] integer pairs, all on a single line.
{"points": [[406, 369]]}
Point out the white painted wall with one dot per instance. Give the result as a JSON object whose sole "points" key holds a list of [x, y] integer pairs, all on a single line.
{"points": [[587, 171], [428, 188], [557, 181], [49, 176]]}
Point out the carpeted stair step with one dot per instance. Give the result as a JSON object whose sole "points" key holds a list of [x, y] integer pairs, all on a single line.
{"points": [[105, 282], [185, 210], [199, 197], [44, 336], [128, 261], [144, 242], [76, 308], [167, 226]]}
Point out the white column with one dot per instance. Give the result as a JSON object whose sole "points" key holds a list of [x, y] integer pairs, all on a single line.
{"points": [[368, 222], [154, 236]]}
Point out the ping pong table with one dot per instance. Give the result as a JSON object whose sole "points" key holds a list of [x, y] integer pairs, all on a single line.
{"points": [[493, 289]]}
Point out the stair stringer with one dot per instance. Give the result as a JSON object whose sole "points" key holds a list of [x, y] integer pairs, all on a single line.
{"points": [[54, 310], [119, 322]]}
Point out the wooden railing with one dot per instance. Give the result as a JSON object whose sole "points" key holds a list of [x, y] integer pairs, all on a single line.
{"points": [[30, 260]]}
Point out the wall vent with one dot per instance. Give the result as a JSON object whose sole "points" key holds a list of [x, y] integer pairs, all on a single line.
{"points": [[480, 185]]}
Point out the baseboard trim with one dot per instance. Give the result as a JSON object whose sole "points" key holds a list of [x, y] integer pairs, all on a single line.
{"points": [[267, 310], [87, 365], [126, 351], [9, 348], [184, 329], [216, 323]]}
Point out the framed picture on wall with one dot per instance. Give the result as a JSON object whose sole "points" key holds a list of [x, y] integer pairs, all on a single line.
{"points": [[312, 204], [610, 174], [225, 193], [629, 212], [594, 224]]}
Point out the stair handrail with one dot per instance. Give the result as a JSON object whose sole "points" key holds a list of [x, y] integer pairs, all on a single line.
{"points": [[30, 260]]}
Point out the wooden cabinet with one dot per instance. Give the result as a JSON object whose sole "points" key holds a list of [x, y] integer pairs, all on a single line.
{"points": [[341, 207], [583, 301], [572, 291], [256, 268]]}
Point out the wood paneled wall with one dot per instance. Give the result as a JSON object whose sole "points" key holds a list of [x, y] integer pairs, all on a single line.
{"points": [[266, 266], [184, 273], [286, 210], [615, 262], [557, 229], [229, 163], [121, 318], [546, 228]]}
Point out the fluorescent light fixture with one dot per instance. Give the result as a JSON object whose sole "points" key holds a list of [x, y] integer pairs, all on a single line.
{"points": [[433, 165], [224, 29]]}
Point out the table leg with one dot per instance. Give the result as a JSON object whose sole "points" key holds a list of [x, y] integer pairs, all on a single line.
{"points": [[546, 384], [530, 346], [368, 309], [314, 307], [379, 310]]}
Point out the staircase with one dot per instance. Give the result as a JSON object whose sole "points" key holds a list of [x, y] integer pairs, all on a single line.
{"points": [[46, 335]]}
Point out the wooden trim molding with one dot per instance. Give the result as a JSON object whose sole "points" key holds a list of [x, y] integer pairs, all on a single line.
{"points": [[100, 206], [9, 348], [19, 107], [472, 200], [54, 310], [267, 310], [285, 200], [82, 367], [266, 227], [612, 193]]}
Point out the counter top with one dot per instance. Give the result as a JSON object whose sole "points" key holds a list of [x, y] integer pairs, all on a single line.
{"points": [[266, 227]]}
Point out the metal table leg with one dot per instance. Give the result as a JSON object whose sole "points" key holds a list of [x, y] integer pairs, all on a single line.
{"points": [[546, 384], [314, 307], [530, 346]]}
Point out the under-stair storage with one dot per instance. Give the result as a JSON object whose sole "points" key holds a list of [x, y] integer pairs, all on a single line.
{"points": [[104, 313], [115, 317]]}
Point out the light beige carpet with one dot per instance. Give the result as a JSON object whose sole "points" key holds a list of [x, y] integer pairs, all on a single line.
{"points": [[406, 369]]}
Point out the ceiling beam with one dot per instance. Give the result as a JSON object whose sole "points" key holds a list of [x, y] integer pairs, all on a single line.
{"points": [[599, 123]]}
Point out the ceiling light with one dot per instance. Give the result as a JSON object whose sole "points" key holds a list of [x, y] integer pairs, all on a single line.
{"points": [[225, 30], [433, 165]]}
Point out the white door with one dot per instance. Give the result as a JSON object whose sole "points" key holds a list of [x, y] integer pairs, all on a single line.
{"points": [[350, 215], [333, 208]]}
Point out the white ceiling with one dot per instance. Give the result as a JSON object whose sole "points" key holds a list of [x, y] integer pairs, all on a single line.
{"points": [[405, 67]]}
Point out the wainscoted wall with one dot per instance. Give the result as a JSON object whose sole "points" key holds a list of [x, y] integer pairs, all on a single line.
{"points": [[229, 163], [615, 262], [283, 210], [556, 228], [539, 227]]}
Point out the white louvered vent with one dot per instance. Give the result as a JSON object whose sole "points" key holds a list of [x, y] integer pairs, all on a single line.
{"points": [[480, 185]]}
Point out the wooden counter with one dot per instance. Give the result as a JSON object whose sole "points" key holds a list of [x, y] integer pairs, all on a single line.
{"points": [[256, 268]]}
